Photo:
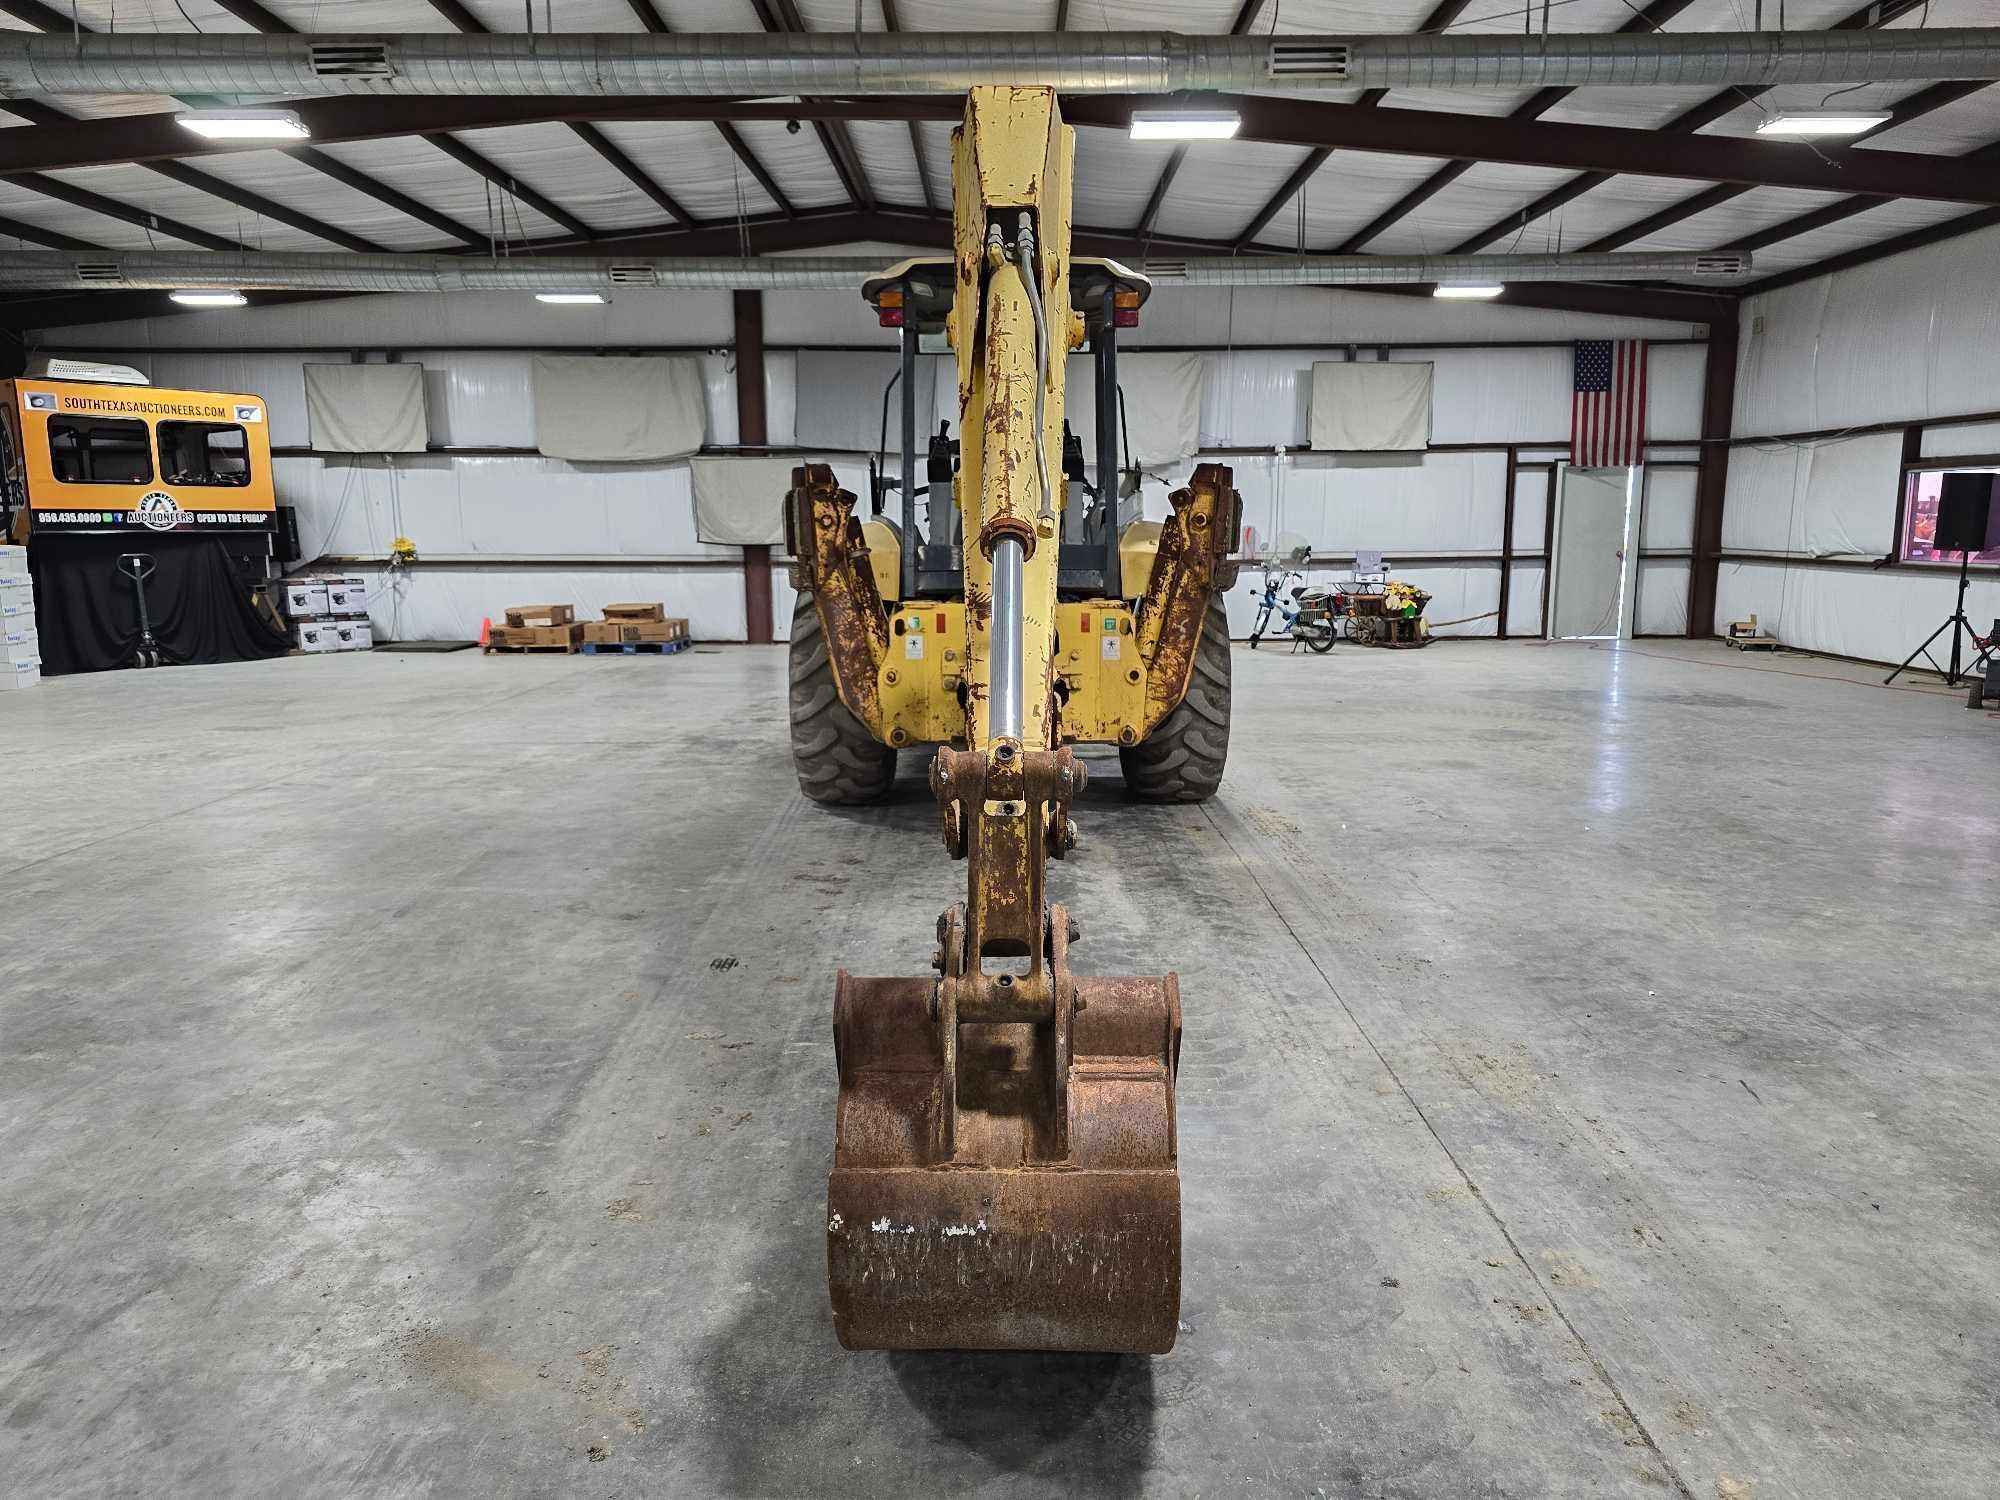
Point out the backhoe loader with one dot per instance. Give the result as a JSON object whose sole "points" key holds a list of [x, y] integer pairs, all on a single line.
{"points": [[1004, 1169]]}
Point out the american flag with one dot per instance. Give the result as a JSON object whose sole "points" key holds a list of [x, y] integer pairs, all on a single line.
{"points": [[1607, 404]]}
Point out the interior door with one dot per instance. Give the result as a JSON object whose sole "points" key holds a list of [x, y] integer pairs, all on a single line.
{"points": [[1592, 574]]}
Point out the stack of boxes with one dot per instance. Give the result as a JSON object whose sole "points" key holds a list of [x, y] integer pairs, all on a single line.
{"points": [[328, 614], [537, 627], [635, 625], [20, 645]]}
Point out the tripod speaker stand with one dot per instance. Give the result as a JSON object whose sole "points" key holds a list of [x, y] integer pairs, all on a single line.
{"points": [[1965, 524]]}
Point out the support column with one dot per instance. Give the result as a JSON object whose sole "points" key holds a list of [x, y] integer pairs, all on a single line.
{"points": [[1718, 406], [753, 431], [1507, 540]]}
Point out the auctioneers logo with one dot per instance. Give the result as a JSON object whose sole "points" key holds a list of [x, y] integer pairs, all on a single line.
{"points": [[159, 511]]}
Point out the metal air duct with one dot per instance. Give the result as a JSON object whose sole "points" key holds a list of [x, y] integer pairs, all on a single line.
{"points": [[758, 65], [55, 270]]}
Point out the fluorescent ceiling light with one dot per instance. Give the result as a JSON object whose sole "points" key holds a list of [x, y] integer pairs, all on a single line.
{"points": [[1184, 124], [246, 124], [209, 299], [1804, 122], [570, 299], [1468, 293]]}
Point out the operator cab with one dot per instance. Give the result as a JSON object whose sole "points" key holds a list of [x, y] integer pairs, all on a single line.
{"points": [[915, 297]]}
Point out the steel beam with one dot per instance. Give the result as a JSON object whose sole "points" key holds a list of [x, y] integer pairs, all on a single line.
{"points": [[1687, 123], [783, 16], [752, 431], [1274, 121], [1918, 104], [1718, 404]]}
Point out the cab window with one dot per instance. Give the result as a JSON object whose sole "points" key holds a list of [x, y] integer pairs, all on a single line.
{"points": [[204, 453], [92, 450]]}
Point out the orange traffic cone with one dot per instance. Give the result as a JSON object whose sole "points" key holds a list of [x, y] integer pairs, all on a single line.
{"points": [[485, 631]]}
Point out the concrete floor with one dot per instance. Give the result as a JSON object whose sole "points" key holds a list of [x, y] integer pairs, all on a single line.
{"points": [[415, 1081]]}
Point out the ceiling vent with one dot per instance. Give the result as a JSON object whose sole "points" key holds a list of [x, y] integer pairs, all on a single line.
{"points": [[634, 273], [1164, 270], [1308, 61], [356, 59], [100, 273], [1721, 265]]}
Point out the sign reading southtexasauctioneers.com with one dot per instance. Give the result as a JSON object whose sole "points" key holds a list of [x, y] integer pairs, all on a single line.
{"points": [[168, 478]]}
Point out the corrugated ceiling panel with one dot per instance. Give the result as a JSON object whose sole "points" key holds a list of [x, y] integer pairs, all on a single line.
{"points": [[1000, 15], [292, 184], [147, 190], [1483, 196], [798, 163], [1632, 108], [1115, 175], [890, 164], [79, 223], [1458, 101], [412, 165], [1880, 223], [694, 164], [712, 15], [1970, 123], [151, 15], [553, 161], [567, 15], [362, 15], [1216, 191], [103, 106], [1609, 206], [838, 15], [1740, 216], [1352, 188]]}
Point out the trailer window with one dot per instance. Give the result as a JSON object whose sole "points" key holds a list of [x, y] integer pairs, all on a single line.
{"points": [[204, 453], [1920, 508], [89, 450]]}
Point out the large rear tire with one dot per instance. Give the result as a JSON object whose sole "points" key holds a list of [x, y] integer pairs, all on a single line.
{"points": [[1182, 760], [836, 757]]}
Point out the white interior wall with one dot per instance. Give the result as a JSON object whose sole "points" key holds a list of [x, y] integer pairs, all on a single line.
{"points": [[1910, 338], [494, 530]]}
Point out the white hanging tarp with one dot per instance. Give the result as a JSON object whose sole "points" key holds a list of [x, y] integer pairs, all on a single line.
{"points": [[741, 501], [366, 408], [1376, 407], [612, 409], [1162, 406], [840, 401]]}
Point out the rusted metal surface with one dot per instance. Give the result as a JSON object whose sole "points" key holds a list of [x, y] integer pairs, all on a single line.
{"points": [[1195, 547], [825, 536], [1006, 1184]]}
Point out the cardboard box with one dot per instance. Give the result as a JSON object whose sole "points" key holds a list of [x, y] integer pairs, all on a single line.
{"points": [[519, 615], [634, 632], [635, 612], [19, 640], [302, 598], [20, 674], [352, 635], [17, 601], [538, 637], [347, 596], [314, 636], [13, 564]]}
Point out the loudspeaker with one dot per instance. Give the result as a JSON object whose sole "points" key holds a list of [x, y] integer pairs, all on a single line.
{"points": [[285, 540], [1965, 514]]}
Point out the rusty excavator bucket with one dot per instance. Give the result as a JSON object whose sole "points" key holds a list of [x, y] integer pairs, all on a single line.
{"points": [[1004, 1168], [1006, 1183]]}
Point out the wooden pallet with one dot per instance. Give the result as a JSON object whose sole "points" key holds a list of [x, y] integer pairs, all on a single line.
{"points": [[1753, 642], [635, 648], [528, 650]]}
